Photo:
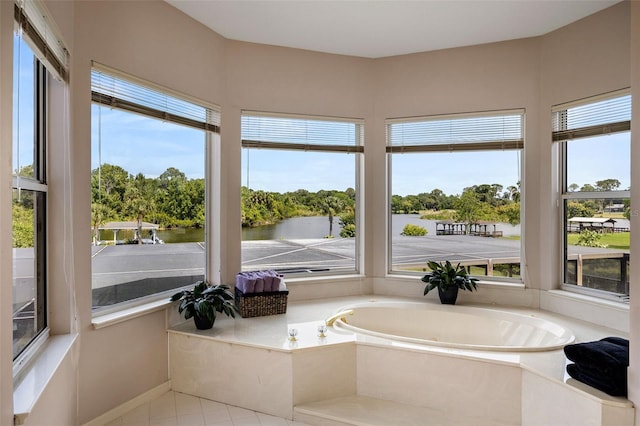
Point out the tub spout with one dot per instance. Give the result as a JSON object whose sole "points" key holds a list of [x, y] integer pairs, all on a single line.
{"points": [[340, 315]]}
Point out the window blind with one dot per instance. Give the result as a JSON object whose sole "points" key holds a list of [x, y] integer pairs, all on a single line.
{"points": [[42, 36], [464, 132], [116, 91], [609, 114], [301, 133]]}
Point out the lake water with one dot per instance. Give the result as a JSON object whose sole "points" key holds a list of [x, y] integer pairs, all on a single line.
{"points": [[299, 228]]}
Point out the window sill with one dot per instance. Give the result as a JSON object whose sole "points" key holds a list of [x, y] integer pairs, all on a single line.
{"points": [[588, 308], [515, 285], [38, 374], [585, 298], [324, 279], [105, 320]]}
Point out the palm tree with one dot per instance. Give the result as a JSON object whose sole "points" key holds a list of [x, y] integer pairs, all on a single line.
{"points": [[332, 205], [99, 212]]}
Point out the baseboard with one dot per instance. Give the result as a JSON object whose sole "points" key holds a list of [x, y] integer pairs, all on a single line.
{"points": [[122, 409]]}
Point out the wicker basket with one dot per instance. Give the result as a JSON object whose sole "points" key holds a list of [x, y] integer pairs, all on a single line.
{"points": [[261, 304]]}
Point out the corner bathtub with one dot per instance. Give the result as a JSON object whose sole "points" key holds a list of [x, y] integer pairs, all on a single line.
{"points": [[462, 327]]}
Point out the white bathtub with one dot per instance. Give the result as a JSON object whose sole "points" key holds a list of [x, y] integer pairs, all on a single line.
{"points": [[454, 326]]}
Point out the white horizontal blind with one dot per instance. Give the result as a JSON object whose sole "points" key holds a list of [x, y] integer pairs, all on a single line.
{"points": [[118, 92], [603, 116], [464, 132], [295, 133], [42, 36]]}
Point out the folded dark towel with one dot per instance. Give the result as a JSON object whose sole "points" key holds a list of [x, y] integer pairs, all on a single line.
{"points": [[614, 385], [606, 356], [617, 340]]}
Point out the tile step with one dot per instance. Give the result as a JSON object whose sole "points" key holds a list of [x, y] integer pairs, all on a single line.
{"points": [[364, 411]]}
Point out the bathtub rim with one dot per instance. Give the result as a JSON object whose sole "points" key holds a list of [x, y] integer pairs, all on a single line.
{"points": [[567, 337]]}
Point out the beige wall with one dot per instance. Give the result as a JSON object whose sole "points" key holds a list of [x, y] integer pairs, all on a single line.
{"points": [[275, 79], [586, 58], [150, 40], [155, 42], [495, 76], [6, 252], [634, 316]]}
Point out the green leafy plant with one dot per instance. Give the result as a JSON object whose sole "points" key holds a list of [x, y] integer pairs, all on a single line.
{"points": [[204, 301], [444, 275]]}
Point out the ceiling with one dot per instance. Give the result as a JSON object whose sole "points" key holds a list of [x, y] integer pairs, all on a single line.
{"points": [[380, 28]]}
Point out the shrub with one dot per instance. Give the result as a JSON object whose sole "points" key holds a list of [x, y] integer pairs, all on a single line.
{"points": [[413, 230], [348, 231], [588, 238]]}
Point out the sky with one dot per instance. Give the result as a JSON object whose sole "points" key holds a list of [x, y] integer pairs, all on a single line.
{"points": [[139, 144], [148, 146]]}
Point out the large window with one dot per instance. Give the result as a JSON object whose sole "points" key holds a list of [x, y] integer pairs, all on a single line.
{"points": [[29, 198], [149, 180], [300, 194], [454, 185], [594, 141], [38, 58]]}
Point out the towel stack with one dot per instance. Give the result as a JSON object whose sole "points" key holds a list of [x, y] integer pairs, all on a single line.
{"points": [[601, 364], [260, 281]]}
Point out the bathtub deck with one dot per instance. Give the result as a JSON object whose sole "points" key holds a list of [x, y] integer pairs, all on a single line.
{"points": [[314, 379]]}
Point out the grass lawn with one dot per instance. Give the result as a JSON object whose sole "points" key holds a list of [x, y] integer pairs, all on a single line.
{"points": [[617, 240]]}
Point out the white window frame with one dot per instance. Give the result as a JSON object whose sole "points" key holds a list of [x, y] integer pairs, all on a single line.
{"points": [[335, 146], [211, 128], [37, 184], [561, 135], [458, 141]]}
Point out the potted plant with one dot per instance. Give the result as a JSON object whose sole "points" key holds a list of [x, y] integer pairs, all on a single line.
{"points": [[448, 279], [203, 302]]}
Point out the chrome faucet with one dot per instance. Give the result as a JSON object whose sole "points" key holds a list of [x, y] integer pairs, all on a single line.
{"points": [[340, 315]]}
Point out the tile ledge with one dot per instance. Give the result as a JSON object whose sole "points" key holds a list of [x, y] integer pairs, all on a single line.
{"points": [[38, 374], [112, 318]]}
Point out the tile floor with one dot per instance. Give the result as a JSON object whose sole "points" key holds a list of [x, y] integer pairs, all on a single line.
{"points": [[178, 409]]}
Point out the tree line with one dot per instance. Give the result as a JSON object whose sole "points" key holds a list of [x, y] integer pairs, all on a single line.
{"points": [[172, 200], [478, 202]]}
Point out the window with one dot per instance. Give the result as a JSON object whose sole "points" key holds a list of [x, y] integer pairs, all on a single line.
{"points": [[37, 60], [594, 140], [454, 192], [149, 180], [300, 194]]}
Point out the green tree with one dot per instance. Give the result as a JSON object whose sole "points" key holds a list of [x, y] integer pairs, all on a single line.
{"points": [[510, 213], [579, 209], [514, 193], [347, 221], [332, 205], [108, 186], [397, 205], [607, 185], [139, 200], [468, 207], [99, 215], [22, 226]]}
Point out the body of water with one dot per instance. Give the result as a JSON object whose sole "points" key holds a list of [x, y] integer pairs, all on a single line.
{"points": [[294, 228], [298, 228]]}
